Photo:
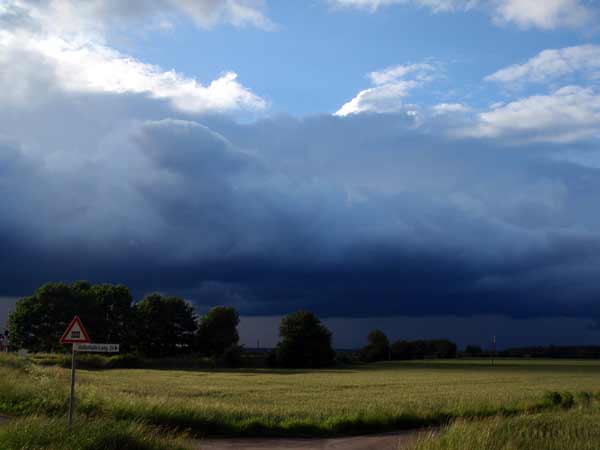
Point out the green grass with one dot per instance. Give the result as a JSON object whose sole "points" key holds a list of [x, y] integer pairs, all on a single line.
{"points": [[35, 433], [571, 430], [372, 398]]}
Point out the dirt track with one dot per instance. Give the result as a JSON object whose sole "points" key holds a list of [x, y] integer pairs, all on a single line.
{"points": [[390, 441]]}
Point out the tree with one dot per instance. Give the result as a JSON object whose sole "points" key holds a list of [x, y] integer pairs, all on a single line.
{"points": [[443, 348], [38, 321], [402, 350], [305, 342], [440, 348], [166, 326], [378, 347], [473, 350], [117, 315], [218, 331]]}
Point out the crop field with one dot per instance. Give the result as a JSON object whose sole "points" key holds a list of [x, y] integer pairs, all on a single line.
{"points": [[471, 394], [384, 396]]}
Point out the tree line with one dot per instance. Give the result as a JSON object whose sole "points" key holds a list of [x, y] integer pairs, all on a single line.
{"points": [[156, 326], [379, 348], [161, 326]]}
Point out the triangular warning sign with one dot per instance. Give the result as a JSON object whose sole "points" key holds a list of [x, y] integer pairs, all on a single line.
{"points": [[75, 333]]}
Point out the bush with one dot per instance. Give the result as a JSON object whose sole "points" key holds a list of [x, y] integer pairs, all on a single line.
{"points": [[231, 357]]}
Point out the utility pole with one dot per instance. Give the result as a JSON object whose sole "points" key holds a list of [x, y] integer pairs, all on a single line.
{"points": [[493, 349]]}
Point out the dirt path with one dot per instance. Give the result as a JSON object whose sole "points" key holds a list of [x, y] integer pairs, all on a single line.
{"points": [[391, 441]]}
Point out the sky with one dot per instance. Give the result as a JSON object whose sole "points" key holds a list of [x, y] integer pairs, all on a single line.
{"points": [[430, 167]]}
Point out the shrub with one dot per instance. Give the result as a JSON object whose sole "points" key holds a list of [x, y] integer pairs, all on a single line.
{"points": [[231, 357]]}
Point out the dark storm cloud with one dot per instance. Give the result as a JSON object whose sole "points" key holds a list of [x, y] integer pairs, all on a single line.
{"points": [[364, 215]]}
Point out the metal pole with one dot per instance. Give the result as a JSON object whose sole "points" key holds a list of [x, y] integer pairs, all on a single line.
{"points": [[72, 399]]}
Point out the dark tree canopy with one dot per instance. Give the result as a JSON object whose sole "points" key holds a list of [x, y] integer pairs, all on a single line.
{"points": [[218, 331], [305, 342], [473, 350], [377, 349], [437, 348], [38, 321], [165, 325], [156, 326]]}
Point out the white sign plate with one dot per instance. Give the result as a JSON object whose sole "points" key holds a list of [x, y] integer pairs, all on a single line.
{"points": [[100, 348]]}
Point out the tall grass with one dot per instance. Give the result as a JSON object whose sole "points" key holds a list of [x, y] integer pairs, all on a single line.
{"points": [[567, 430], [282, 403], [35, 433]]}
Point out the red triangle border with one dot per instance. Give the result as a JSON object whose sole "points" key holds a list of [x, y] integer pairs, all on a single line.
{"points": [[76, 320]]}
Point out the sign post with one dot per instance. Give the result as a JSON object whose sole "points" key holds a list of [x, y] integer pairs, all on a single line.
{"points": [[72, 396], [75, 334]]}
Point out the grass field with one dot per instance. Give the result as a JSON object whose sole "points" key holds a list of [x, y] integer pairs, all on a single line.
{"points": [[37, 433], [371, 398], [557, 430]]}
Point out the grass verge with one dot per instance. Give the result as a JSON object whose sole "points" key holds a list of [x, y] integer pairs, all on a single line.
{"points": [[576, 429], [35, 433]]}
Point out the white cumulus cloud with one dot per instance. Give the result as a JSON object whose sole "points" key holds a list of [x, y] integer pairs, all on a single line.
{"points": [[44, 58], [435, 5], [450, 108], [568, 114], [544, 14], [75, 15], [552, 64], [391, 86]]}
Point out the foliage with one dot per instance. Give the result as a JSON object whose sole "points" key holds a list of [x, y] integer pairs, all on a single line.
{"points": [[473, 350], [377, 349], [218, 331], [572, 430], [231, 357], [305, 342], [157, 326], [552, 351], [34, 433], [440, 348], [39, 320], [166, 326]]}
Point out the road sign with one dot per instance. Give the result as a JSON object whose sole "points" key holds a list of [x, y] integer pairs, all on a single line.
{"points": [[101, 348], [75, 333]]}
